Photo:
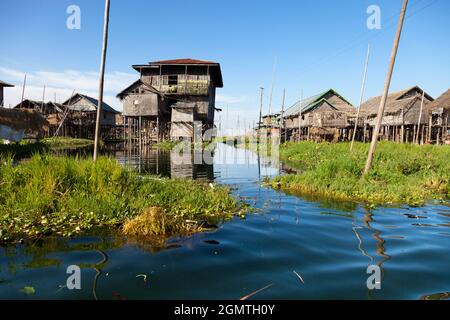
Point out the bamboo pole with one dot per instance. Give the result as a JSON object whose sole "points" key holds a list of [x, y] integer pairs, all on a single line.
{"points": [[363, 85], [430, 126], [23, 89], [386, 89], [273, 84], [420, 117], [43, 98], [300, 117], [260, 114], [282, 123], [102, 78]]}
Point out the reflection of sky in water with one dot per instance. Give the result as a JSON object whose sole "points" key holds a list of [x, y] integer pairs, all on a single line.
{"points": [[329, 243]]}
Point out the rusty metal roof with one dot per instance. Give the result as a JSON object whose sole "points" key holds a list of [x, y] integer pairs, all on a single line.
{"points": [[183, 62]]}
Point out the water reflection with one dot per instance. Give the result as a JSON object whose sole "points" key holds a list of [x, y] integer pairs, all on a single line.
{"points": [[330, 243], [166, 163]]}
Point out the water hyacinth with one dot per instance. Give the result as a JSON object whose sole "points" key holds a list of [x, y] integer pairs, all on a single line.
{"points": [[401, 173], [66, 196]]}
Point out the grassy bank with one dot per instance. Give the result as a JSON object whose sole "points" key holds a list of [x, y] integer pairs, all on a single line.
{"points": [[27, 148], [401, 173], [66, 142], [65, 196]]}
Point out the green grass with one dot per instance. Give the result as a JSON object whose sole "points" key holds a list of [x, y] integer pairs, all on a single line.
{"points": [[66, 142], [167, 144], [50, 195], [27, 148], [401, 173]]}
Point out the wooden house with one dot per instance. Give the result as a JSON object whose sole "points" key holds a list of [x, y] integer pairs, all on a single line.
{"points": [[270, 125], [324, 116], [51, 111], [44, 108], [438, 112], [80, 117], [3, 85], [18, 124], [171, 95], [401, 117]]}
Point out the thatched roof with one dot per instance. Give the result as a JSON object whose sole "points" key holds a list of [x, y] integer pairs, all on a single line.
{"points": [[396, 101], [442, 102], [33, 123], [43, 107]]}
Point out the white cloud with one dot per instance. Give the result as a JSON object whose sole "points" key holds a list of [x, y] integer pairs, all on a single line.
{"points": [[63, 84]]}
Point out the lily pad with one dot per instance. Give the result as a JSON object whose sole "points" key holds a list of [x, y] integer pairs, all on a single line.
{"points": [[28, 290]]}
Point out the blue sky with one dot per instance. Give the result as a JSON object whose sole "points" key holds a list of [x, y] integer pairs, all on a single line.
{"points": [[317, 45]]}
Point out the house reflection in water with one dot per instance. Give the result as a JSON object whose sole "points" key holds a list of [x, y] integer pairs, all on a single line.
{"points": [[165, 163]]}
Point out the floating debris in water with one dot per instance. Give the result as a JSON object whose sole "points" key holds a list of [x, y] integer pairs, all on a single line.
{"points": [[116, 295], [28, 290], [299, 276], [413, 216], [173, 246], [436, 296], [214, 242], [143, 276], [255, 292]]}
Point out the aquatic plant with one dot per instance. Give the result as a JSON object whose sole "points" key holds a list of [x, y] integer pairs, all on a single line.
{"points": [[66, 196], [401, 173], [27, 148]]}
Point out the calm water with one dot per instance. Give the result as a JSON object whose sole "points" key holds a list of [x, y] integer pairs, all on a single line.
{"points": [[329, 244]]}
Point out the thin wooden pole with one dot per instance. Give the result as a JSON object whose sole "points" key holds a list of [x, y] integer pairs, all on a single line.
{"points": [[430, 126], [420, 117], [23, 89], [260, 114], [102, 78], [300, 117], [43, 99], [373, 145], [282, 123], [361, 97], [273, 84]]}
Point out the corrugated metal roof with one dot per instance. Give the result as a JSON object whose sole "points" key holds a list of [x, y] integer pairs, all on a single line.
{"points": [[310, 103], [94, 104], [304, 104], [182, 61]]}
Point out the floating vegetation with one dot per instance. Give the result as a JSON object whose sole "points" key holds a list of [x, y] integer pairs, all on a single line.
{"points": [[401, 173], [27, 148], [50, 195]]}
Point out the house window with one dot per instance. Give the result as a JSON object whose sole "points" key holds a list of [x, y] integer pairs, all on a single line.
{"points": [[173, 80]]}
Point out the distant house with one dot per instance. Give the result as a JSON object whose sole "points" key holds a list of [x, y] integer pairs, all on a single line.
{"points": [[171, 95], [18, 124], [401, 116], [3, 85], [82, 114], [324, 116], [270, 124], [44, 108], [439, 116]]}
